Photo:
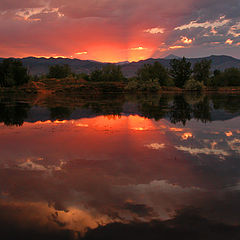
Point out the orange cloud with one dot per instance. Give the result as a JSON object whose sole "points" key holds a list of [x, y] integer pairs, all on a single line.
{"points": [[155, 30], [176, 47], [186, 136], [229, 134], [81, 53], [229, 41], [186, 40]]}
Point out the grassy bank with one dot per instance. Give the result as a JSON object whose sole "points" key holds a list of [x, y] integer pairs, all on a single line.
{"points": [[74, 86]]}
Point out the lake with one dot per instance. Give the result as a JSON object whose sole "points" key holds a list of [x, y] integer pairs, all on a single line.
{"points": [[120, 166]]}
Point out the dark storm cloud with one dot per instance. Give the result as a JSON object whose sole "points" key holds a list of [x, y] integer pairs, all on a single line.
{"points": [[140, 209], [211, 10], [187, 225]]}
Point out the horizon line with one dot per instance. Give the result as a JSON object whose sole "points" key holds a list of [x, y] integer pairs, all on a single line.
{"points": [[91, 60]]}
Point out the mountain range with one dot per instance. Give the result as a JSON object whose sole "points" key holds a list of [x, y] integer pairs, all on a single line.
{"points": [[39, 66]]}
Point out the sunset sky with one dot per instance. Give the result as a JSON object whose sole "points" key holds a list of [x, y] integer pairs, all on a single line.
{"points": [[119, 30]]}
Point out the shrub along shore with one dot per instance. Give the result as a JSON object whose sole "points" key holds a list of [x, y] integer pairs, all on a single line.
{"points": [[181, 76]]}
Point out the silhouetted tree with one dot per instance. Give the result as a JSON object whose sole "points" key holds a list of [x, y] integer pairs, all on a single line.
{"points": [[96, 76], [154, 71], [233, 76], [201, 71], [230, 77], [216, 72], [59, 71], [109, 73], [180, 71], [13, 73]]}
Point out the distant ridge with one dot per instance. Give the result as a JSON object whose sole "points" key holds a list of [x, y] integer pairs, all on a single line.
{"points": [[122, 63], [220, 62], [39, 66], [171, 56]]}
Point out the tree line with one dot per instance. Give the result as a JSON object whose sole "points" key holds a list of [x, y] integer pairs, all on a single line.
{"points": [[13, 73], [149, 77]]}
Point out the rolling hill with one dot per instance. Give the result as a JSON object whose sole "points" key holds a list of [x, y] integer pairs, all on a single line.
{"points": [[39, 66], [218, 62]]}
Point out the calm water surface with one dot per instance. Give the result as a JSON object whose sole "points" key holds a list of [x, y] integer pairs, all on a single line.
{"points": [[120, 167]]}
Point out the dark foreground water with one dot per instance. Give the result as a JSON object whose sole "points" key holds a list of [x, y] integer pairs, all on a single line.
{"points": [[120, 167]]}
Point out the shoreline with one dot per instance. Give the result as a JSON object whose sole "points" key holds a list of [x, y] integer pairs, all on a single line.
{"points": [[48, 87]]}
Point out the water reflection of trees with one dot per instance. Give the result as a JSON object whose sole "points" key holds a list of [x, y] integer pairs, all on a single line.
{"points": [[228, 102], [13, 112], [179, 108], [155, 109], [107, 105], [180, 111], [202, 110], [60, 113]]}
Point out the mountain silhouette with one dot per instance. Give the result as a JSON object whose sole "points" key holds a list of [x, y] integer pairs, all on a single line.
{"points": [[37, 66]]}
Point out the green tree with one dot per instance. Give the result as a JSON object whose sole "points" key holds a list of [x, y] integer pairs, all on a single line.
{"points": [[216, 72], [96, 76], [201, 71], [154, 71], [13, 73], [59, 71], [230, 77], [109, 73], [193, 85], [83, 76], [112, 73], [180, 70]]}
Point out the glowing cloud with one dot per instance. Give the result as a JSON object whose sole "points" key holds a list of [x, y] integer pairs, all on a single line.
{"points": [[229, 134], [29, 14], [81, 53], [154, 30], [229, 41], [176, 129], [207, 151], [235, 144], [155, 146], [138, 49], [186, 40], [194, 24], [186, 136], [176, 47], [234, 30]]}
